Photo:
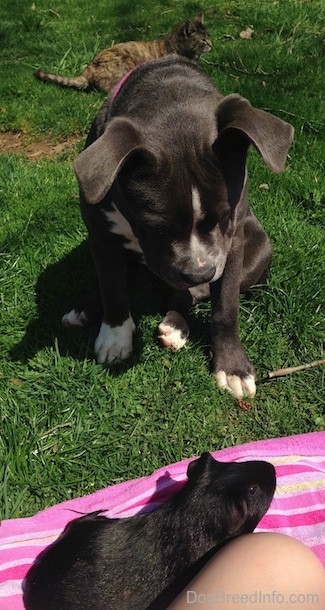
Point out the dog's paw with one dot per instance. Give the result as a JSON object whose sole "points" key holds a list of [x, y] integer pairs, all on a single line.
{"points": [[114, 342], [232, 369], [173, 331], [75, 319], [236, 385]]}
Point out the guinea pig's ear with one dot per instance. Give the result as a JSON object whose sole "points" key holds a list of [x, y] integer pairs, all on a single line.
{"points": [[236, 516], [198, 467]]}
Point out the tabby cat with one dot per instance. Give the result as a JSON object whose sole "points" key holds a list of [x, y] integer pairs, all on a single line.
{"points": [[189, 38]]}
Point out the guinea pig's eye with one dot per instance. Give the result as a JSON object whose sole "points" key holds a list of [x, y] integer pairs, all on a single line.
{"points": [[252, 489]]}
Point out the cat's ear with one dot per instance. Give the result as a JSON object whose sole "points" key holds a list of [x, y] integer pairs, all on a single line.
{"points": [[193, 24], [240, 124], [198, 18], [189, 28], [99, 164]]}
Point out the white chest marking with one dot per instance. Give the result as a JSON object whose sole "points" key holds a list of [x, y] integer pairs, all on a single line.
{"points": [[120, 226]]}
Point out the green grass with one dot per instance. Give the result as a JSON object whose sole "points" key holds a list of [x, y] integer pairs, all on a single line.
{"points": [[68, 426]]}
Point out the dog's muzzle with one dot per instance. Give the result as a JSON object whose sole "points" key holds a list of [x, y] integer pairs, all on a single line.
{"points": [[200, 276]]}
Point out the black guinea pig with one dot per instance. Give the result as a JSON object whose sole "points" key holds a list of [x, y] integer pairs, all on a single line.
{"points": [[143, 562]]}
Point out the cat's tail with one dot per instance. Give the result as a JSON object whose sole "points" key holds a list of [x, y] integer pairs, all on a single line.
{"points": [[77, 82]]}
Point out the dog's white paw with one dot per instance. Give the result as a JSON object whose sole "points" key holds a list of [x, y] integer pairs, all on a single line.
{"points": [[74, 319], [114, 342], [237, 386], [173, 331]]}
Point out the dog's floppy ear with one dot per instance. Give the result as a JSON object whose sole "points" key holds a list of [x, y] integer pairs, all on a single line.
{"points": [[98, 165], [270, 135], [200, 466]]}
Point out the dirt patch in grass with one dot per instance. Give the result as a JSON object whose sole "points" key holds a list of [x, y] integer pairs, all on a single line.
{"points": [[21, 144]]}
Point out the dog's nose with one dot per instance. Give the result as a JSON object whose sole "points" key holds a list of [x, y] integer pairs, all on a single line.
{"points": [[200, 276]]}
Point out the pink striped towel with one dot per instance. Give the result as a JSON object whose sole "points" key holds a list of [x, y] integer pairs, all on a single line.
{"points": [[298, 508]]}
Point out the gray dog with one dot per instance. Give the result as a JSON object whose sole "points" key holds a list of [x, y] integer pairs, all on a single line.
{"points": [[164, 175]]}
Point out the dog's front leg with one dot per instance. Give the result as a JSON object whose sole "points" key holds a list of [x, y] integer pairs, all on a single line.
{"points": [[115, 337], [232, 369]]}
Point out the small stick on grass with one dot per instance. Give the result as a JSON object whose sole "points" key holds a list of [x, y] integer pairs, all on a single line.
{"points": [[48, 432], [294, 369]]}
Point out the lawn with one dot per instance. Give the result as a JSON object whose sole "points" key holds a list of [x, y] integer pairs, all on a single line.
{"points": [[68, 426]]}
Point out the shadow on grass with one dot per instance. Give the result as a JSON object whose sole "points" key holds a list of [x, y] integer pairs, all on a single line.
{"points": [[61, 285], [54, 292]]}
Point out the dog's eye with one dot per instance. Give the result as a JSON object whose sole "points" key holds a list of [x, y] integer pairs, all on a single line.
{"points": [[224, 222], [161, 232], [207, 224], [224, 219]]}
